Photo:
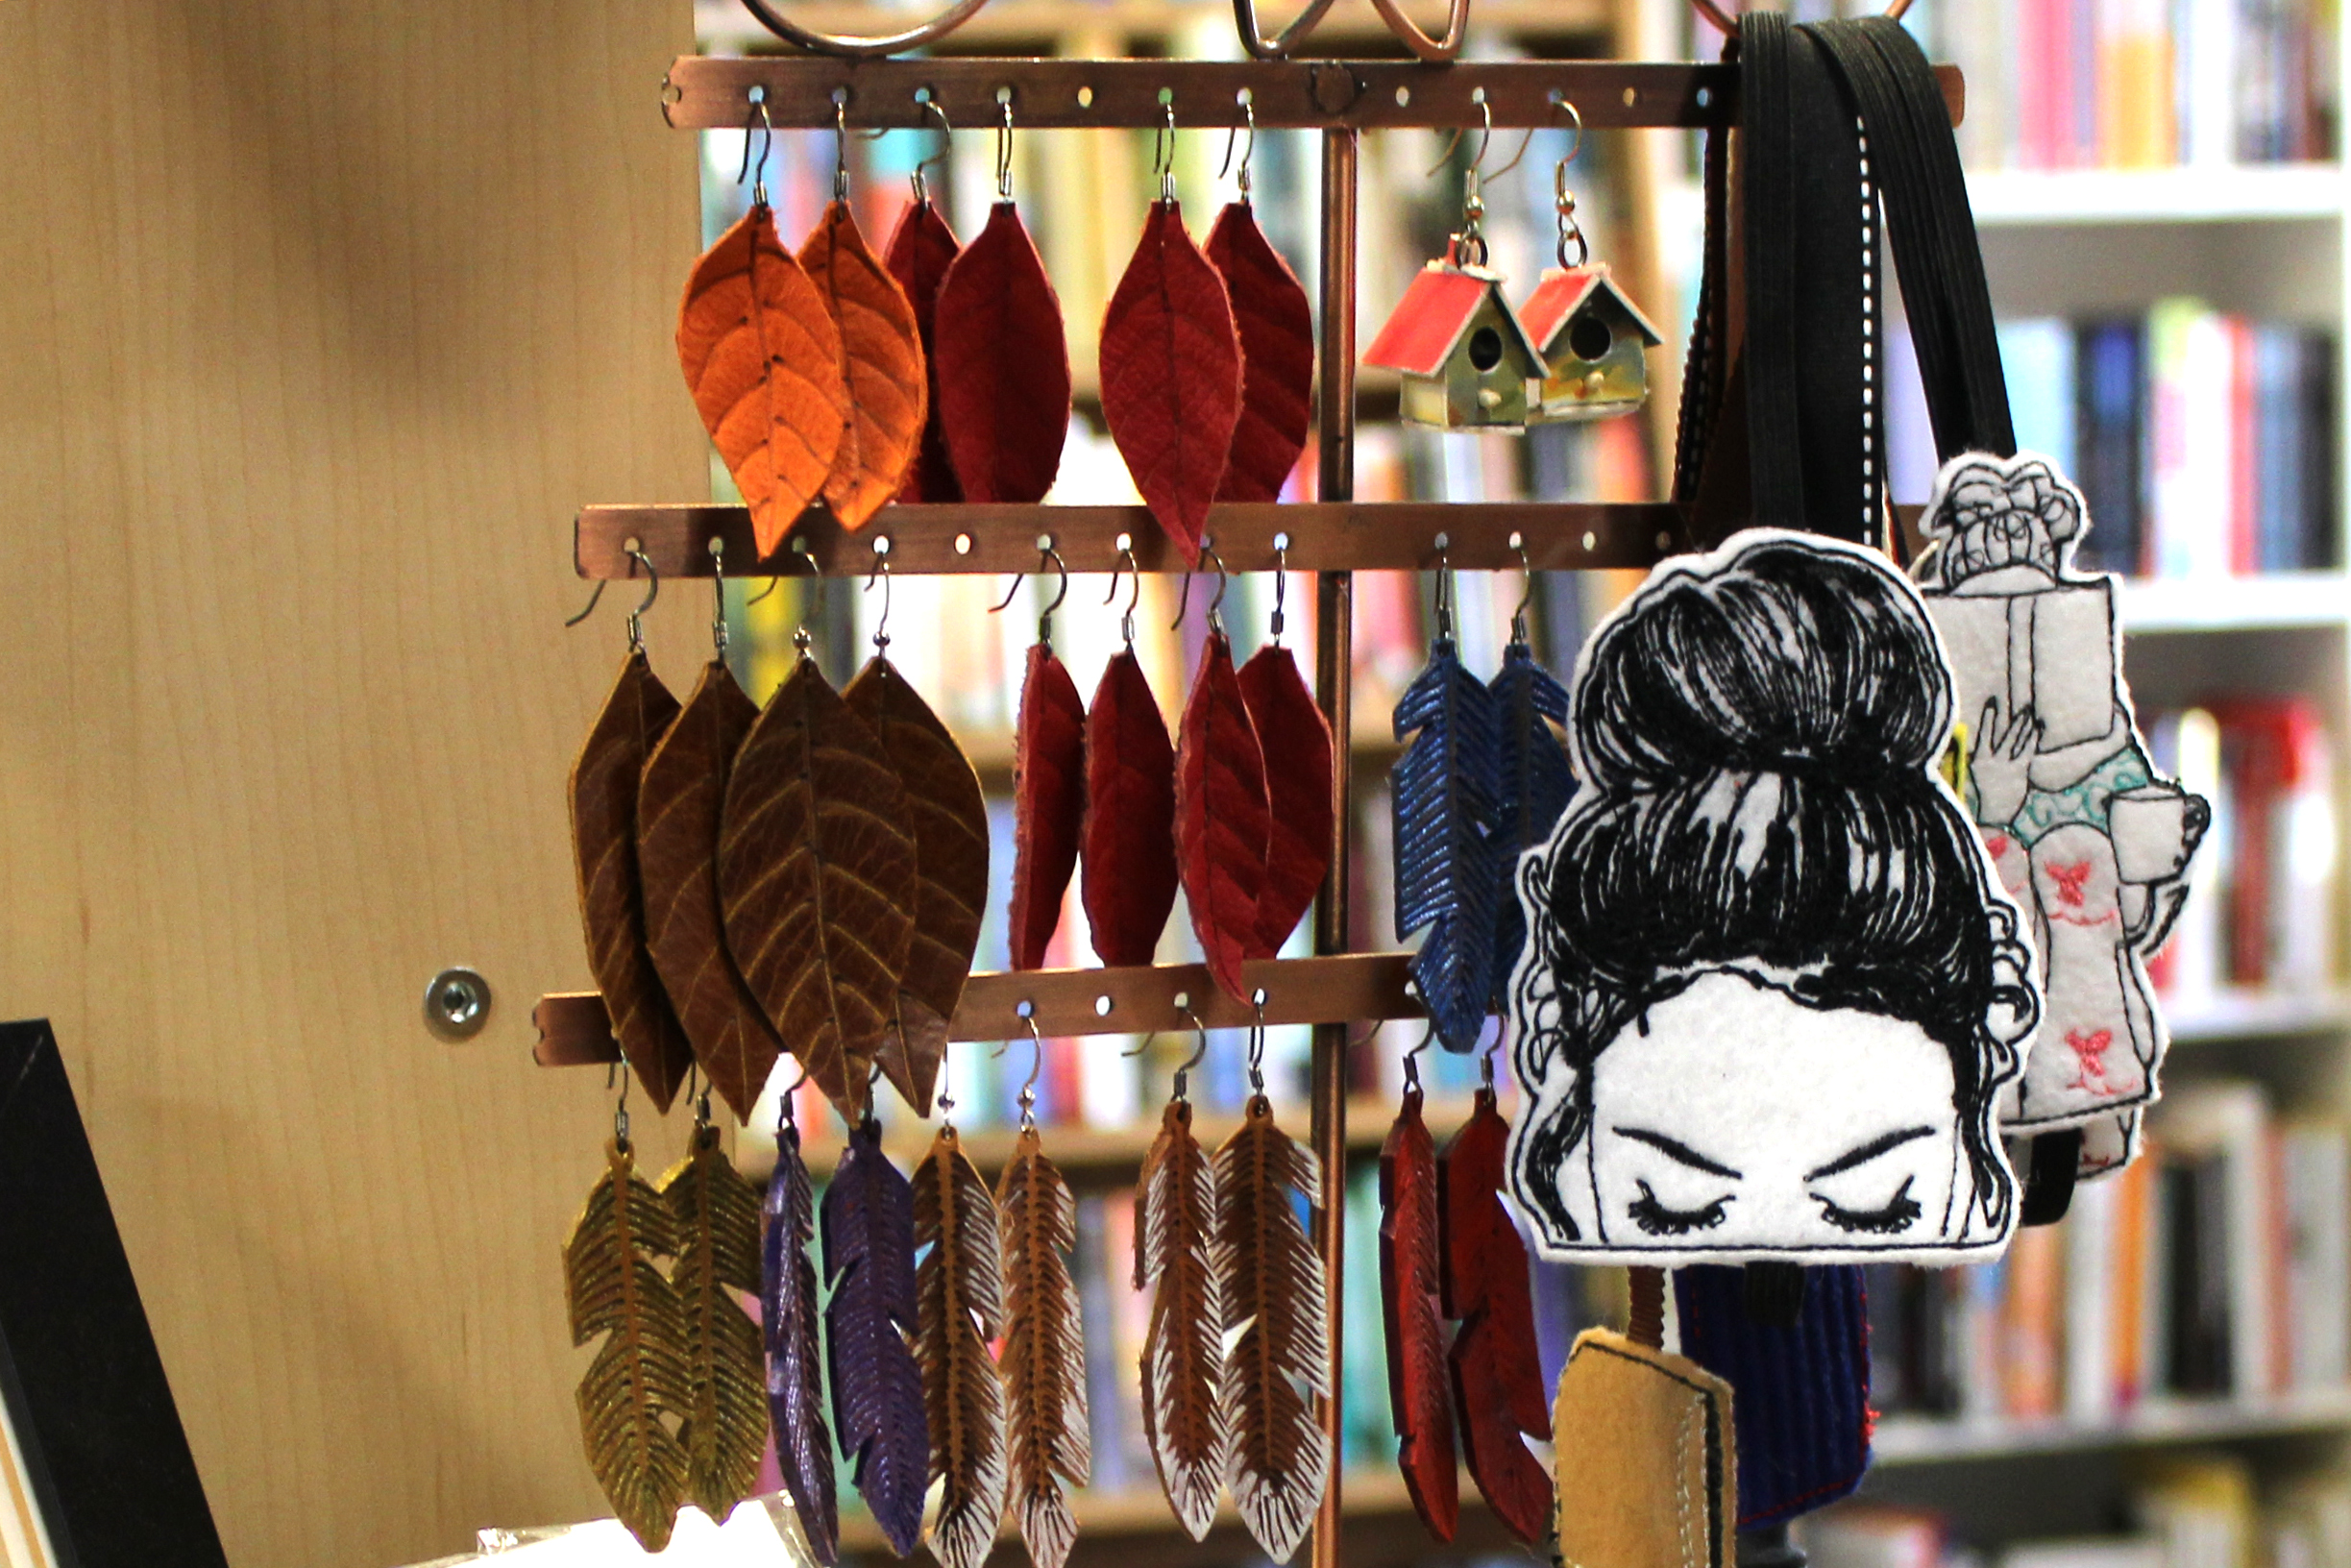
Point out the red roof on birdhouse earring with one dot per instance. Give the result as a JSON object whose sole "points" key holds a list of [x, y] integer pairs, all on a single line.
{"points": [[1466, 359], [1594, 342]]}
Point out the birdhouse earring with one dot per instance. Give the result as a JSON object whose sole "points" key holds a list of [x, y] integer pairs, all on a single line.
{"points": [[1594, 342], [1466, 360]]}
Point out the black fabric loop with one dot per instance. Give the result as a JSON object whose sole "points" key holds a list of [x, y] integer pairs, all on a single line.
{"points": [[1805, 246], [1916, 164]]}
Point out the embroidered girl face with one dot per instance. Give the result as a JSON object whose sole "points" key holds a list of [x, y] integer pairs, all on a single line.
{"points": [[1734, 1117]]}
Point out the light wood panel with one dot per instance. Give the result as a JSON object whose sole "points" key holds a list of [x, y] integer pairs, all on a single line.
{"points": [[316, 323]]}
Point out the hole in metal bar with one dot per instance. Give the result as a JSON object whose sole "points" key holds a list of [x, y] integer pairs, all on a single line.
{"points": [[1591, 542], [1477, 95], [1086, 97], [1705, 97], [1665, 540], [1629, 96], [1103, 1005], [963, 544], [1166, 95], [1004, 95], [1404, 97]]}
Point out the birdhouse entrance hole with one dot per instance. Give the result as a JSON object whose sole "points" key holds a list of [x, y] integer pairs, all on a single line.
{"points": [[1588, 337], [1485, 348]]}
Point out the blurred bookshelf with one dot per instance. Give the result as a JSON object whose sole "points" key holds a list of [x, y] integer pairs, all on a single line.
{"points": [[2166, 246]]}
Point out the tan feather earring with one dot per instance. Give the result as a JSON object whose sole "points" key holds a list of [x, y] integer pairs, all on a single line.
{"points": [[958, 1298], [640, 1374], [1177, 1260], [724, 1425], [1279, 1458], [1044, 1349]]}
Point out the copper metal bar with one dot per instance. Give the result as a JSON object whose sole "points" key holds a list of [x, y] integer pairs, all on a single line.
{"points": [[1324, 536], [1333, 688], [574, 1031], [712, 93]]}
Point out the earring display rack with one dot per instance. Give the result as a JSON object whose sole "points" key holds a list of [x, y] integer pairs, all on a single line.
{"points": [[1333, 537]]}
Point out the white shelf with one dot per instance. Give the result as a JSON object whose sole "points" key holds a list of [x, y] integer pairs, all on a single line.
{"points": [[2278, 600], [2246, 193], [2247, 1015], [1905, 1440]]}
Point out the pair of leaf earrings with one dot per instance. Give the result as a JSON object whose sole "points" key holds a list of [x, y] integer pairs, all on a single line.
{"points": [[1238, 1342], [937, 374], [944, 1415], [1484, 779], [1448, 1253], [1208, 359], [1237, 811]]}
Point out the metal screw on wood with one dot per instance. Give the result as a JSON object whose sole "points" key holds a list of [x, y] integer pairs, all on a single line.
{"points": [[456, 1004]]}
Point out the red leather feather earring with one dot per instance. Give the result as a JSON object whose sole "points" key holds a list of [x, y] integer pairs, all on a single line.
{"points": [[1295, 739], [1222, 818], [1127, 875], [1048, 786]]}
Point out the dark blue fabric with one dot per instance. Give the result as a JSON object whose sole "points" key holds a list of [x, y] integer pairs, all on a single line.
{"points": [[1799, 1396]]}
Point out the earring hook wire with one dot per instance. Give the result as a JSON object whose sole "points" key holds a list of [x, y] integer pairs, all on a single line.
{"points": [[881, 570], [717, 594], [946, 136], [1248, 109], [1135, 580], [1004, 151], [758, 99]]}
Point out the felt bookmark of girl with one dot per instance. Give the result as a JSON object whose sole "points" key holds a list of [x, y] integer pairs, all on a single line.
{"points": [[1445, 794], [1222, 813], [1171, 367], [947, 818], [1127, 875], [1043, 1361], [1048, 782], [764, 361], [1003, 358]]}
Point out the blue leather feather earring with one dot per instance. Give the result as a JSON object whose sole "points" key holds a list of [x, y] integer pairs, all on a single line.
{"points": [[1445, 793]]}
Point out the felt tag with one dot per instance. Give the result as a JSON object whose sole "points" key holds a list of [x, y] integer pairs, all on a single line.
{"points": [[1643, 1459], [1803, 1412], [2088, 838], [1770, 986]]}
